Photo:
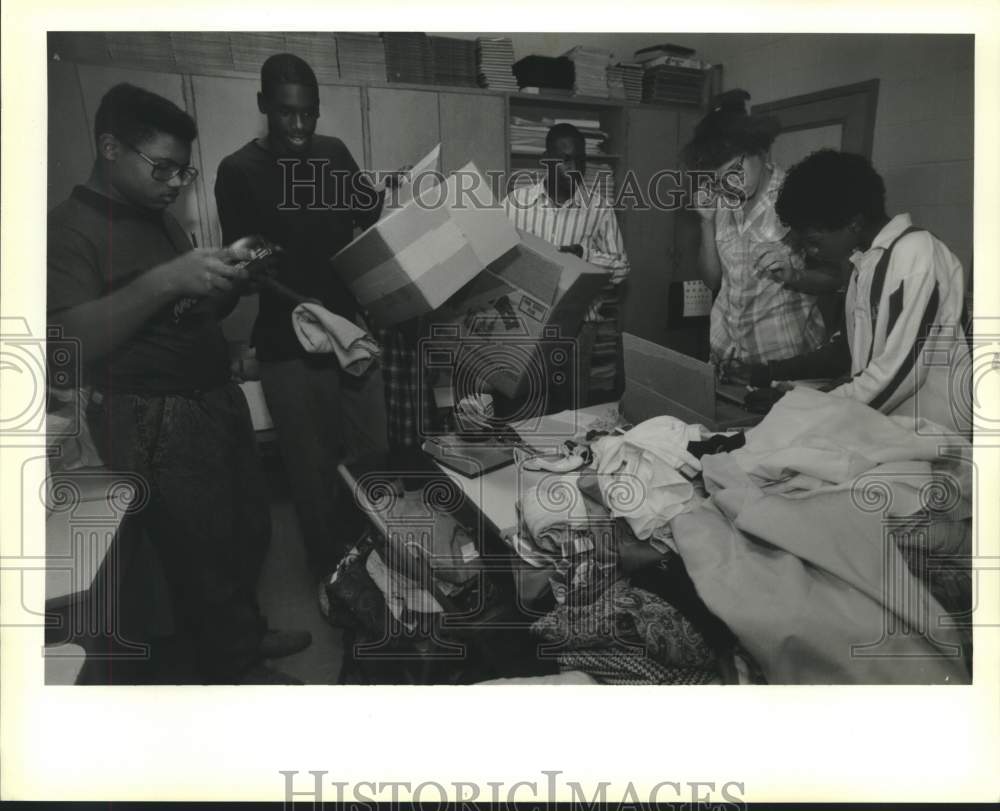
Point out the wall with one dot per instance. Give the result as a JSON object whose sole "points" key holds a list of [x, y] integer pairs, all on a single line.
{"points": [[924, 125]]}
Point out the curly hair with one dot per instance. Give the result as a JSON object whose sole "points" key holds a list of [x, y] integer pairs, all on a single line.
{"points": [[727, 131], [828, 189], [133, 114]]}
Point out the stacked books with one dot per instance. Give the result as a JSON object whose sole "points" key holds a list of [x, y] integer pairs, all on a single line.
{"points": [[590, 66], [202, 49], [495, 60], [454, 61], [408, 58], [152, 49], [361, 57], [252, 48], [527, 135], [319, 50], [80, 46], [666, 84], [625, 81]]}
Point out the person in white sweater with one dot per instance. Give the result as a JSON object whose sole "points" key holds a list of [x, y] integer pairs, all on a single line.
{"points": [[904, 312]]}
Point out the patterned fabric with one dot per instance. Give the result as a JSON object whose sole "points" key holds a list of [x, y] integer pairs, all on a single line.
{"points": [[628, 669], [401, 373], [754, 318], [623, 618]]}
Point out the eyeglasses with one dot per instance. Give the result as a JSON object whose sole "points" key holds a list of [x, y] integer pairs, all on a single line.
{"points": [[166, 170]]}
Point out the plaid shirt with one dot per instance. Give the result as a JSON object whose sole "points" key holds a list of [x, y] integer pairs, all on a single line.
{"points": [[401, 375], [755, 318]]}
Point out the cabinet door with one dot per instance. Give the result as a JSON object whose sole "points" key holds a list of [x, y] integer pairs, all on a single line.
{"points": [[96, 80], [472, 129], [649, 229], [71, 137], [228, 118], [403, 126]]}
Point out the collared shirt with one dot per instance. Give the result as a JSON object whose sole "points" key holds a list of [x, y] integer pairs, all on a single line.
{"points": [[756, 318], [310, 209], [907, 352], [97, 245], [585, 219]]}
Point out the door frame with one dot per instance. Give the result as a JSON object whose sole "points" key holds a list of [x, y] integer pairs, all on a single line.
{"points": [[853, 106]]}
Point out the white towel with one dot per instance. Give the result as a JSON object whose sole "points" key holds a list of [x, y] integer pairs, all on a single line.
{"points": [[320, 331]]}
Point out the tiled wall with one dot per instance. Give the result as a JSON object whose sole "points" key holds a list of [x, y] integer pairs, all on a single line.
{"points": [[924, 124]]}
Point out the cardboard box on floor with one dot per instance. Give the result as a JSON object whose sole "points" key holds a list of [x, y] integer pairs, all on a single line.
{"points": [[518, 320], [414, 259]]}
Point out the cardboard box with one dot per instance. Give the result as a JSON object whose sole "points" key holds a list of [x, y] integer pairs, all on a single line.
{"points": [[417, 257], [517, 321]]}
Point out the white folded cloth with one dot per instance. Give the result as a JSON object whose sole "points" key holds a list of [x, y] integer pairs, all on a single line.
{"points": [[320, 331]]}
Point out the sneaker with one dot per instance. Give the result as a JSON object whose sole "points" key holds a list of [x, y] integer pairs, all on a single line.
{"points": [[275, 644], [261, 674]]}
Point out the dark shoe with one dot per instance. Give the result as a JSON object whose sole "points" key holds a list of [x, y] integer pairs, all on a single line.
{"points": [[275, 644], [261, 674]]}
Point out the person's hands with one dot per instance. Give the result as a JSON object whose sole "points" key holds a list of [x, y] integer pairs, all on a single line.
{"points": [[201, 272], [706, 204], [575, 249]]}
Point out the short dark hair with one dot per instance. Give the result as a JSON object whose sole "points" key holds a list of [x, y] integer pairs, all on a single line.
{"points": [[727, 131], [828, 189], [133, 114], [564, 131], [286, 68]]}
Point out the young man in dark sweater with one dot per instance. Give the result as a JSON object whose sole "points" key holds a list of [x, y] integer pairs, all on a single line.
{"points": [[305, 193], [144, 307]]}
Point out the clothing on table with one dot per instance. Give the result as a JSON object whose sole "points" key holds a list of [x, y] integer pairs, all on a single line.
{"points": [[613, 667], [208, 514], [587, 219], [755, 318], [97, 245], [899, 337], [718, 443], [323, 416], [310, 207], [812, 585], [640, 472]]}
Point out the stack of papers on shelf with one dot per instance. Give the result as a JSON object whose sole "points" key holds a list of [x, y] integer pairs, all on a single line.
{"points": [[202, 49], [495, 60], [319, 50], [454, 61], [408, 57], [361, 57], [627, 75], [666, 84], [528, 135], [252, 48], [151, 49], [590, 71], [80, 46]]}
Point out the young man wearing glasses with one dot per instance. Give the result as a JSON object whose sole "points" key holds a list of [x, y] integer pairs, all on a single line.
{"points": [[124, 282], [304, 192]]}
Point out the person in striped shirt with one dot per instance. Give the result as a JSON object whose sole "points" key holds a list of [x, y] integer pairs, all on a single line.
{"points": [[904, 314], [562, 210]]}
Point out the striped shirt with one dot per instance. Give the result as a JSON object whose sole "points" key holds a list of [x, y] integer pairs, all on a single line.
{"points": [[590, 223], [908, 350], [756, 318]]}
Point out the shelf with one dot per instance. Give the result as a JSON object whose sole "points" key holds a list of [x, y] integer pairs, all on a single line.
{"points": [[518, 153]]}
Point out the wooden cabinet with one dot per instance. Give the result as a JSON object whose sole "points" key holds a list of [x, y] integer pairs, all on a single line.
{"points": [[403, 126], [70, 133], [472, 129], [648, 223]]}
